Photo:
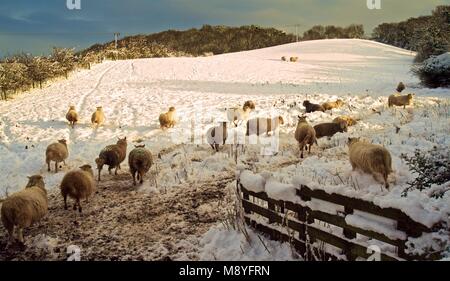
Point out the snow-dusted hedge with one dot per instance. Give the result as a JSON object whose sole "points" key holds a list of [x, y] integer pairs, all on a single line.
{"points": [[435, 71]]}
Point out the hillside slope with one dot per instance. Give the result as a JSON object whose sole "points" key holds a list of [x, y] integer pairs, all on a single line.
{"points": [[133, 93]]}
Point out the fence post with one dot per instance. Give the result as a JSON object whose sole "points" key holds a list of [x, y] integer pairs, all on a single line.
{"points": [[349, 235], [271, 207], [246, 197]]}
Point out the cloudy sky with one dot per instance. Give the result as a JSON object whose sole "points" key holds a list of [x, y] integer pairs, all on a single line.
{"points": [[36, 25]]}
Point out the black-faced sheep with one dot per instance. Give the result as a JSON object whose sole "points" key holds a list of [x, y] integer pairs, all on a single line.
{"points": [[78, 184], [217, 136], [167, 120], [57, 152], [347, 119], [311, 107], [305, 134], [259, 126], [98, 117], [331, 105], [398, 100], [250, 104], [72, 116], [140, 161], [112, 155], [283, 58], [24, 208], [330, 129], [370, 158]]}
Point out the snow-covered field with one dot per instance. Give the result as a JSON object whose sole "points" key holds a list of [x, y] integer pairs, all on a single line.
{"points": [[133, 93]]}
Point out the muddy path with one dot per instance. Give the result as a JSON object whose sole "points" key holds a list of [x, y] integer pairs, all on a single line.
{"points": [[122, 223]]}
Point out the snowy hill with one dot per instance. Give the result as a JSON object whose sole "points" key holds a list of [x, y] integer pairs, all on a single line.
{"points": [[133, 93]]}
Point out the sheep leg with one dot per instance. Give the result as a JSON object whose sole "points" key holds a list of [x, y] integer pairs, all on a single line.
{"points": [[217, 147], [134, 178], [115, 172], [310, 148], [11, 233], [20, 235], [99, 171], [56, 166], [212, 146], [301, 149], [48, 163], [141, 177], [79, 205], [65, 202]]}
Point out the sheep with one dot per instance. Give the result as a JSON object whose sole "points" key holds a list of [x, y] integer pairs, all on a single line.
{"points": [[293, 59], [330, 129], [24, 208], [57, 152], [305, 134], [140, 161], [98, 117], [72, 116], [347, 119], [112, 155], [370, 158], [331, 105], [167, 120], [251, 104], [259, 126], [283, 58], [217, 136], [400, 87], [235, 115], [78, 184], [400, 100], [311, 107]]}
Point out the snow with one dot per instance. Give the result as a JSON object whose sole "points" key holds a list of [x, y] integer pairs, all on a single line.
{"points": [[439, 63], [134, 92], [220, 243], [362, 222]]}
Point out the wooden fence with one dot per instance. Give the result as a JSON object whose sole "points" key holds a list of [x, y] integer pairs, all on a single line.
{"points": [[302, 228]]}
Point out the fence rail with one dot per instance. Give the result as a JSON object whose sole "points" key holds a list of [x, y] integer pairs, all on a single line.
{"points": [[301, 228]]}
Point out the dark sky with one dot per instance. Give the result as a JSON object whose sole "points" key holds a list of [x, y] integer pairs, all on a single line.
{"points": [[36, 25]]}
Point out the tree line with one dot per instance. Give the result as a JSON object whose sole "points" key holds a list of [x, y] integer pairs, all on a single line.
{"points": [[427, 35], [22, 72]]}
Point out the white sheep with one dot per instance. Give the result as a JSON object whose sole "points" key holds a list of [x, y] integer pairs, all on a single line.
{"points": [[24, 208], [57, 152]]}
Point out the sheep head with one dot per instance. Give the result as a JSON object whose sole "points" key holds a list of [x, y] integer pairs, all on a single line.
{"points": [[100, 162], [36, 180], [171, 109], [306, 103], [353, 140], [280, 120], [302, 119], [87, 168], [63, 141], [122, 142], [72, 107]]}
